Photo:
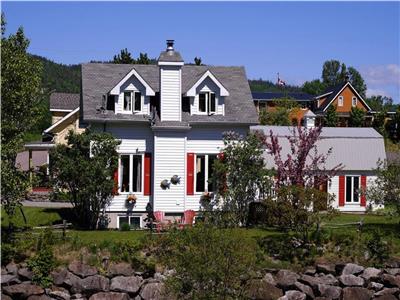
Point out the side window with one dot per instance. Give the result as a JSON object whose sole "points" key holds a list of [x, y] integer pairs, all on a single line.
{"points": [[138, 101], [131, 173], [207, 103], [125, 170], [127, 101], [340, 101], [354, 101], [204, 172]]}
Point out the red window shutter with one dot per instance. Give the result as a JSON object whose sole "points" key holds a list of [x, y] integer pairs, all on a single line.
{"points": [[363, 189], [341, 190], [115, 188], [147, 174], [190, 174]]}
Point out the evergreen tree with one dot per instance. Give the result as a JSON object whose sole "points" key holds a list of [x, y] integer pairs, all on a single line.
{"points": [[124, 57], [197, 61], [331, 117], [143, 59], [314, 87], [356, 117]]}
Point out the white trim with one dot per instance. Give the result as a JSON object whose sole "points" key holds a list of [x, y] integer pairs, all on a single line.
{"points": [[130, 216], [60, 110], [149, 90], [61, 120], [192, 91], [130, 154], [354, 90], [352, 202], [323, 95], [170, 63]]}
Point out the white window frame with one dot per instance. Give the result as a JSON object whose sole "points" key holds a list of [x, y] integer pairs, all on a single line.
{"points": [[352, 190], [129, 217], [132, 101], [205, 171], [130, 173], [354, 101], [340, 101], [208, 102]]}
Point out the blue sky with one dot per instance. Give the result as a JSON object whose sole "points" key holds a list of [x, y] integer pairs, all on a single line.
{"points": [[291, 38]]}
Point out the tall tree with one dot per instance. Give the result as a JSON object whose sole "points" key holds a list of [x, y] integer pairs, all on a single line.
{"points": [[357, 81], [124, 57], [331, 117], [21, 96], [84, 168], [356, 117], [380, 103], [333, 73], [143, 59], [197, 61], [313, 87]]}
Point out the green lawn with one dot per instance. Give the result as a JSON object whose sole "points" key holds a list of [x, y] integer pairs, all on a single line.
{"points": [[36, 216]]}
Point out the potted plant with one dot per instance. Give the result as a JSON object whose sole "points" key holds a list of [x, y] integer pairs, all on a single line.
{"points": [[130, 201]]}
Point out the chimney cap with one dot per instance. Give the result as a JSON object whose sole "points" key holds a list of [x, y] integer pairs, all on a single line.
{"points": [[170, 45]]}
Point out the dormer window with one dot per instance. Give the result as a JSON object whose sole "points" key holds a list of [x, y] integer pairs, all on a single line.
{"points": [[207, 103], [132, 101]]}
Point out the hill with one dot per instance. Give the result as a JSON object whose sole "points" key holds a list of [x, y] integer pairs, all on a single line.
{"points": [[260, 85]]}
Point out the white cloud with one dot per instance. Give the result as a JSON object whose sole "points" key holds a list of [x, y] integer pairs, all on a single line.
{"points": [[376, 92], [381, 74]]}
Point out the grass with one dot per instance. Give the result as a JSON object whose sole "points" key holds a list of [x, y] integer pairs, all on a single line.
{"points": [[36, 216]]}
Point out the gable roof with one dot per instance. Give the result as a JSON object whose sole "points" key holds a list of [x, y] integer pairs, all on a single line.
{"points": [[358, 149], [62, 120], [269, 96], [98, 79], [133, 72], [333, 92], [207, 74], [64, 101]]}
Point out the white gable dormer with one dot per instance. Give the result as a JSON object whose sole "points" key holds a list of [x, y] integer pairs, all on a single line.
{"points": [[132, 95], [207, 96]]}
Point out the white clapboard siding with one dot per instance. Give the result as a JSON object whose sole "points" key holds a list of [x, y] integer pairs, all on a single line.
{"points": [[118, 203], [170, 93], [169, 160], [133, 138], [132, 84], [333, 189]]}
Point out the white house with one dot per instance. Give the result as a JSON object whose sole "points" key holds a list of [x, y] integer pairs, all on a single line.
{"points": [[170, 118], [357, 149]]}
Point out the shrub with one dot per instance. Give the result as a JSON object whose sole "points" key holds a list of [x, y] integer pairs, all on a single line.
{"points": [[125, 227], [41, 265], [209, 262], [377, 247]]}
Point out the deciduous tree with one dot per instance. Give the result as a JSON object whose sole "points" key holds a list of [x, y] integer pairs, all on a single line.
{"points": [[356, 117]]}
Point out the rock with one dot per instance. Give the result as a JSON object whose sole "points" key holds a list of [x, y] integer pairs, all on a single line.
{"points": [[129, 284], [12, 268], [159, 277], [371, 273], [95, 283], [153, 291], [293, 295], [9, 279], [59, 275], [5, 297], [391, 281], [286, 279], [109, 296], [59, 293], [314, 281], [305, 289], [393, 271], [386, 291], [359, 293], [259, 289], [39, 297], [4, 271], [326, 269], [268, 277], [122, 268], [81, 269], [387, 297], [25, 273], [77, 296], [73, 282], [22, 290], [352, 269], [351, 280], [310, 271], [376, 286], [329, 291]]}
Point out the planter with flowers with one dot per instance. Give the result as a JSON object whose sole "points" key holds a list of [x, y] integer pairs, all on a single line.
{"points": [[130, 201]]}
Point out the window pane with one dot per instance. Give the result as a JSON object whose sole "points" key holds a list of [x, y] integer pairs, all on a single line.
{"points": [[200, 173], [138, 101], [124, 173], [137, 173], [355, 189], [127, 101], [134, 222], [202, 102], [110, 102], [212, 102], [211, 183], [348, 189], [123, 220]]}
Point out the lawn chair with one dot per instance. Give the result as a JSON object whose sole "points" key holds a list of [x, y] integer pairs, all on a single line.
{"points": [[188, 217], [160, 222]]}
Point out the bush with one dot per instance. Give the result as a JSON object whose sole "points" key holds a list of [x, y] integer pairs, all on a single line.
{"points": [[209, 262], [125, 227], [41, 265], [377, 247]]}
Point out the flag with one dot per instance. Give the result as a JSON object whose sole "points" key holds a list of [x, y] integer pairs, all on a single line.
{"points": [[280, 81]]}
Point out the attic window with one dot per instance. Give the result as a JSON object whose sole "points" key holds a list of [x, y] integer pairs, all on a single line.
{"points": [[132, 101], [207, 103], [110, 102], [340, 101], [354, 101]]}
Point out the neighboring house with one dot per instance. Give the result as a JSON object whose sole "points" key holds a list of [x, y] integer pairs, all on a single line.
{"points": [[170, 118], [268, 100], [344, 97], [64, 108], [357, 149]]}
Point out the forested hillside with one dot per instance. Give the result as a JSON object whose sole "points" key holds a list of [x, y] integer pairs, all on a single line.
{"points": [[260, 85]]}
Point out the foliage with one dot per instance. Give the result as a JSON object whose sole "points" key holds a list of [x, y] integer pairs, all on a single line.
{"points": [[21, 94], [143, 59], [393, 127], [379, 122], [378, 248], [84, 168], [356, 117], [41, 265], [331, 117], [357, 81], [240, 176], [380, 103], [279, 114], [209, 262], [314, 87], [333, 73], [260, 85], [385, 189], [297, 200], [125, 227], [197, 61], [124, 57]]}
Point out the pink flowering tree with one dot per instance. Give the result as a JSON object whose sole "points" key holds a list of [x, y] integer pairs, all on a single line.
{"points": [[301, 178]]}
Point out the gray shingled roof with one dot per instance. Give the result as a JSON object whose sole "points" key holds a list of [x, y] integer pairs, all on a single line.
{"points": [[358, 149], [64, 101], [170, 56], [99, 79]]}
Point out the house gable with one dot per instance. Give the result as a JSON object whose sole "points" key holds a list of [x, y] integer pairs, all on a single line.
{"points": [[116, 89]]}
